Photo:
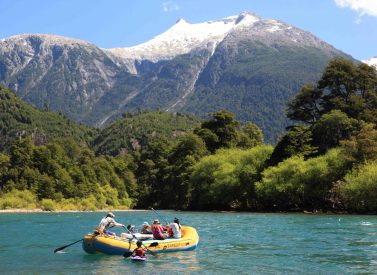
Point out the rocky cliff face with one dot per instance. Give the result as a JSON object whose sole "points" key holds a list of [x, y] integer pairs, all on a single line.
{"points": [[244, 63], [67, 75]]}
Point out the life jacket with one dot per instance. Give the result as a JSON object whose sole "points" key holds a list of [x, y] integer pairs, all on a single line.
{"points": [[139, 252], [170, 232]]}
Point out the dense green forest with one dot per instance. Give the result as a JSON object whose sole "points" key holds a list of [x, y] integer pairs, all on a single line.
{"points": [[19, 120], [135, 131], [326, 161]]}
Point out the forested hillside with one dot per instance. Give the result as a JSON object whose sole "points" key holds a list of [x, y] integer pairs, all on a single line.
{"points": [[328, 162], [18, 120], [133, 132]]}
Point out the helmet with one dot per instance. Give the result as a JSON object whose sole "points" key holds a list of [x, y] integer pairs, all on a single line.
{"points": [[110, 214], [176, 220], [139, 243]]}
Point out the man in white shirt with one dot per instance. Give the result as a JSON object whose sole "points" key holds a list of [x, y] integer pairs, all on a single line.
{"points": [[108, 222]]}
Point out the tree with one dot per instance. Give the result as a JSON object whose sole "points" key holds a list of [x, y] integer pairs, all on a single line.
{"points": [[332, 128], [349, 88], [152, 172], [363, 146], [338, 80], [210, 138], [296, 142], [221, 131], [343, 86], [189, 150], [252, 134], [306, 105], [20, 152]]}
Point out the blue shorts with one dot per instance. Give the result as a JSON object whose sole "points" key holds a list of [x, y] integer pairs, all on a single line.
{"points": [[108, 232]]}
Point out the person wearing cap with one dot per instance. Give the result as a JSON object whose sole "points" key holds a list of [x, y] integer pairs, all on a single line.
{"points": [[107, 222], [131, 228], [158, 231], [175, 229], [146, 229]]}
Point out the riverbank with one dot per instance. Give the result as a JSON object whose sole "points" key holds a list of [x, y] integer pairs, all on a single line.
{"points": [[38, 210]]}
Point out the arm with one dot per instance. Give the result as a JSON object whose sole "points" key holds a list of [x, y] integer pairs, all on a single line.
{"points": [[114, 223]]}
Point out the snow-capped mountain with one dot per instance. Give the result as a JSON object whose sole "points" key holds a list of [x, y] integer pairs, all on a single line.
{"points": [[246, 64], [184, 37], [371, 62]]}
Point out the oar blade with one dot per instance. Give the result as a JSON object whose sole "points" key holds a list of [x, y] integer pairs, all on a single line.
{"points": [[153, 244], [63, 247], [60, 248], [127, 254]]}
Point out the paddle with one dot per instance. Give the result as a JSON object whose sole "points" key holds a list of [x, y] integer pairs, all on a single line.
{"points": [[63, 247], [126, 254], [160, 216]]}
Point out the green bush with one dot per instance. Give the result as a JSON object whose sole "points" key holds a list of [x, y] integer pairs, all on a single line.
{"points": [[226, 179], [48, 205], [88, 204], [359, 190], [18, 199], [296, 183]]}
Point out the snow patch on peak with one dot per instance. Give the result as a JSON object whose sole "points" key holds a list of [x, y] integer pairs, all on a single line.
{"points": [[247, 18], [45, 38], [183, 37], [371, 62], [181, 21]]}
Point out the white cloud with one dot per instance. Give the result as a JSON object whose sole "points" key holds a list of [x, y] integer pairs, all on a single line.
{"points": [[169, 6], [363, 7]]}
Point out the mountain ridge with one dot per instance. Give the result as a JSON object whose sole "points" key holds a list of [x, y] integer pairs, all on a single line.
{"points": [[245, 65]]}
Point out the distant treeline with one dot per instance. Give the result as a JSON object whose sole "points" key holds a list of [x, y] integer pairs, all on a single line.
{"points": [[325, 162]]}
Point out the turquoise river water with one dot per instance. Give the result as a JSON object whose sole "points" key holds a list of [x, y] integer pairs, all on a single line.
{"points": [[230, 243]]}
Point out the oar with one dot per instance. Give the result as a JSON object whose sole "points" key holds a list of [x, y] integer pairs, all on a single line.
{"points": [[63, 247], [154, 244], [128, 254], [160, 216]]}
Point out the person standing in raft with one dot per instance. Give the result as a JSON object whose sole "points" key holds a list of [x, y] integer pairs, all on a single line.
{"points": [[139, 251], [158, 231], [108, 222]]}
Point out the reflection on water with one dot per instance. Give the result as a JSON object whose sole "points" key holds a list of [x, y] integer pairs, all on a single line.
{"points": [[175, 261]]}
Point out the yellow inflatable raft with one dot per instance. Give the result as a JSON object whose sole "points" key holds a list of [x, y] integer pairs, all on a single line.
{"points": [[102, 243]]}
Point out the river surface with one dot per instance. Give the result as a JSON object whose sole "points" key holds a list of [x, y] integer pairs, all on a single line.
{"points": [[230, 243]]}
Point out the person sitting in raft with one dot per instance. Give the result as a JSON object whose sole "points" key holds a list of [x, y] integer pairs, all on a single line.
{"points": [[139, 251], [158, 231], [146, 229], [175, 229], [108, 222], [131, 229]]}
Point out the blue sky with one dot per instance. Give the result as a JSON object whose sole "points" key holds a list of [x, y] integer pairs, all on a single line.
{"points": [[349, 25]]}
